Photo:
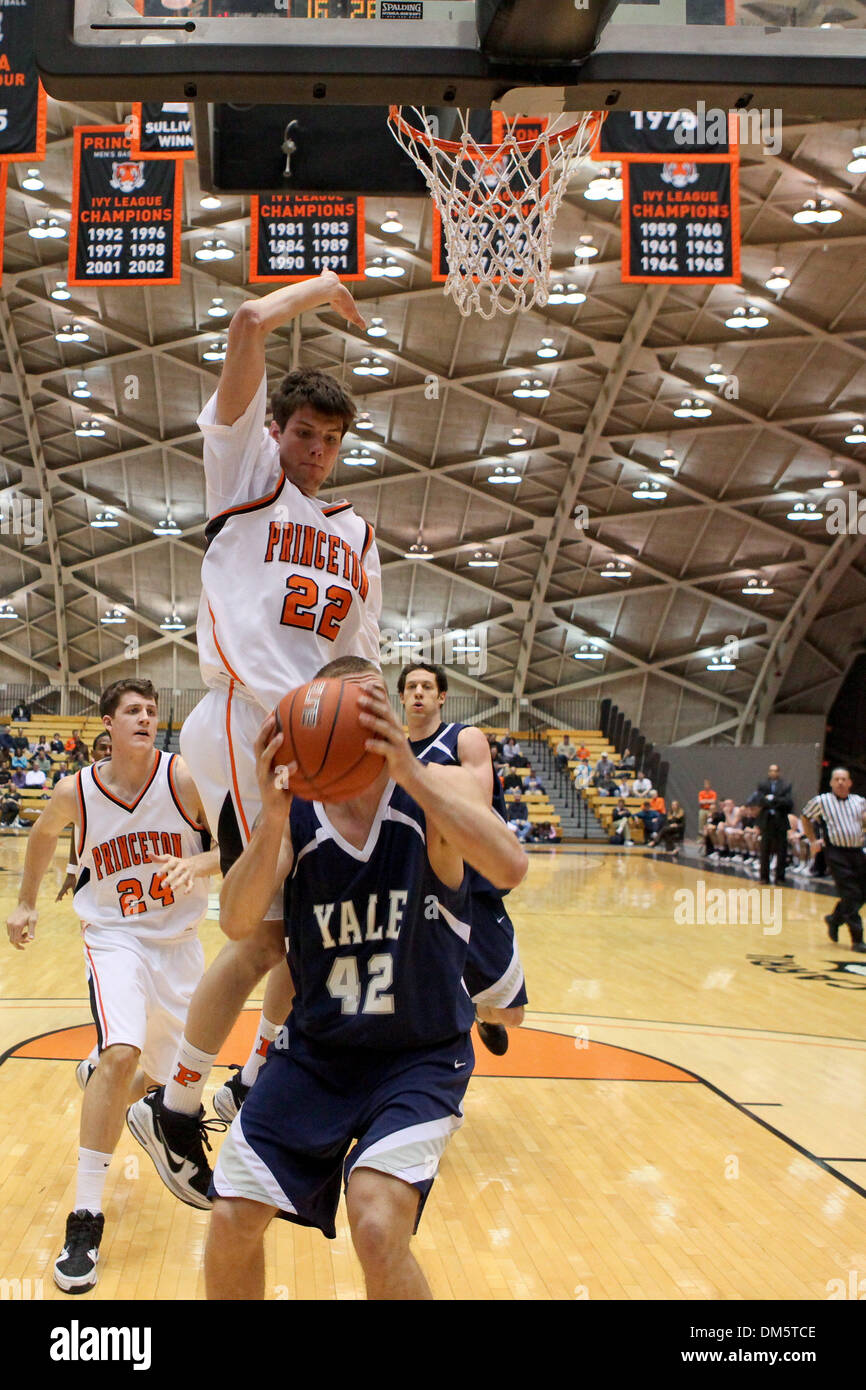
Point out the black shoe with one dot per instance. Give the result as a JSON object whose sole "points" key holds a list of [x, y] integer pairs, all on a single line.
{"points": [[832, 928], [494, 1037], [174, 1142], [230, 1096], [75, 1266], [858, 946]]}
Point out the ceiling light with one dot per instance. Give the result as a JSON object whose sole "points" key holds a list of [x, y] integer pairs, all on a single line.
{"points": [[569, 293], [857, 164], [7, 611], [585, 250], [61, 291], [370, 366], [588, 651], [539, 390], [216, 350], [209, 201], [363, 422], [856, 434], [81, 391], [90, 429], [504, 475], [376, 268], [359, 458], [615, 569], [524, 390], [547, 349], [693, 408], [517, 439], [715, 376], [407, 639], [393, 268], [217, 308], [112, 616], [649, 490], [751, 317], [207, 250], [172, 623], [778, 279], [833, 478], [804, 511], [720, 663], [222, 252], [32, 182], [167, 527], [377, 328], [46, 227], [482, 559], [605, 184], [827, 212], [72, 333], [669, 460], [391, 223], [103, 520], [418, 551], [756, 587], [807, 213]]}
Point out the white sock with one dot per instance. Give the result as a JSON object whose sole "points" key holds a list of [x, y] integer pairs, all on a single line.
{"points": [[266, 1034], [189, 1074], [92, 1172]]}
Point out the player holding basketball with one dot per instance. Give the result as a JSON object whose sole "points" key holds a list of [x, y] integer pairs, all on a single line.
{"points": [[494, 975], [142, 891], [377, 1048], [288, 583]]}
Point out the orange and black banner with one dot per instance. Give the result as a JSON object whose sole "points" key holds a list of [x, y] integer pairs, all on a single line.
{"points": [[681, 222], [3, 178], [161, 130], [486, 227], [22, 96], [294, 236], [648, 135], [126, 212]]}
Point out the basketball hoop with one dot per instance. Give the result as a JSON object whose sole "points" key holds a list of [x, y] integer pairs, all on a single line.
{"points": [[497, 202]]}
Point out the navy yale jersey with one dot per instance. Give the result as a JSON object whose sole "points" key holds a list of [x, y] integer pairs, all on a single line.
{"points": [[119, 886], [441, 747], [289, 583], [376, 942]]}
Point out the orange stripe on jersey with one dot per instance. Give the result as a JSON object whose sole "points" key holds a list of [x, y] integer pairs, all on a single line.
{"points": [[127, 805], [368, 540], [175, 796], [98, 995], [251, 506], [223, 658], [83, 831], [338, 507], [238, 802]]}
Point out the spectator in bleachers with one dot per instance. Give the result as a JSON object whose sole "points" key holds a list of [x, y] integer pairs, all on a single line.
{"points": [[657, 802], [604, 767], [543, 832], [606, 784], [707, 799], [5, 774], [518, 819], [620, 825], [512, 781], [56, 744], [6, 743], [20, 742], [21, 713], [20, 760], [18, 775], [582, 773], [642, 785], [672, 830], [626, 762], [725, 831], [532, 784], [651, 820], [511, 750], [79, 759], [61, 771], [41, 759], [10, 807], [35, 777], [583, 752], [564, 753]]}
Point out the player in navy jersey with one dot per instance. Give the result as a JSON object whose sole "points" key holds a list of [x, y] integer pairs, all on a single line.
{"points": [[377, 1046], [493, 974]]}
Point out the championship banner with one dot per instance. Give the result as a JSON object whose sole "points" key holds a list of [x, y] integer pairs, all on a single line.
{"points": [[126, 213], [648, 135], [22, 96], [3, 179], [681, 222], [161, 130], [528, 129], [294, 236]]}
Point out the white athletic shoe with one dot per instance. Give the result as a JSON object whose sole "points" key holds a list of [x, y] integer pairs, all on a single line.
{"points": [[84, 1071]]}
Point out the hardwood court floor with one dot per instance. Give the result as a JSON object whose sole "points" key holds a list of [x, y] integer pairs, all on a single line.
{"points": [[680, 1117]]}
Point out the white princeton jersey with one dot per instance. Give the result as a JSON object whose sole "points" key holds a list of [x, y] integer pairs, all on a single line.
{"points": [[289, 583], [119, 885]]}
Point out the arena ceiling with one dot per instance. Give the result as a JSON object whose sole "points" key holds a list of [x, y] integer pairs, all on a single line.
{"points": [[442, 418]]}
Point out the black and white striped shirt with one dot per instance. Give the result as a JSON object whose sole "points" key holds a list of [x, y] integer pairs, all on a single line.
{"points": [[843, 817]]}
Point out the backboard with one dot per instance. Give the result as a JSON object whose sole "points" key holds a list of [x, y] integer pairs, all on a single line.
{"points": [[805, 57]]}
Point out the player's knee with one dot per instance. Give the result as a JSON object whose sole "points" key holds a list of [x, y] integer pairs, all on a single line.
{"points": [[234, 1222], [120, 1061], [378, 1237], [264, 949]]}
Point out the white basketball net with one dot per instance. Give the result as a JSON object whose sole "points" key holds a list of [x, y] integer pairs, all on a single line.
{"points": [[498, 202]]}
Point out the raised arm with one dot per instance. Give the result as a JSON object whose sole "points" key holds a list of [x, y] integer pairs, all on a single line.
{"points": [[62, 810], [474, 753], [450, 797], [244, 365]]}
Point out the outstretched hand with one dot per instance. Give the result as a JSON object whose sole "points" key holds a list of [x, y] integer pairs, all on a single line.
{"points": [[387, 735], [341, 300]]}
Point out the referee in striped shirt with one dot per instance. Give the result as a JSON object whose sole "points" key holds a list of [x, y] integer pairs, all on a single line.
{"points": [[844, 815]]}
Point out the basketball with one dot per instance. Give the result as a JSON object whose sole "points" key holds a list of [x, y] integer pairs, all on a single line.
{"points": [[323, 734]]}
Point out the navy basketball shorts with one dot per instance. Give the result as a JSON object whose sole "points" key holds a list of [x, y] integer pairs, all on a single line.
{"points": [[493, 974], [290, 1145]]}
